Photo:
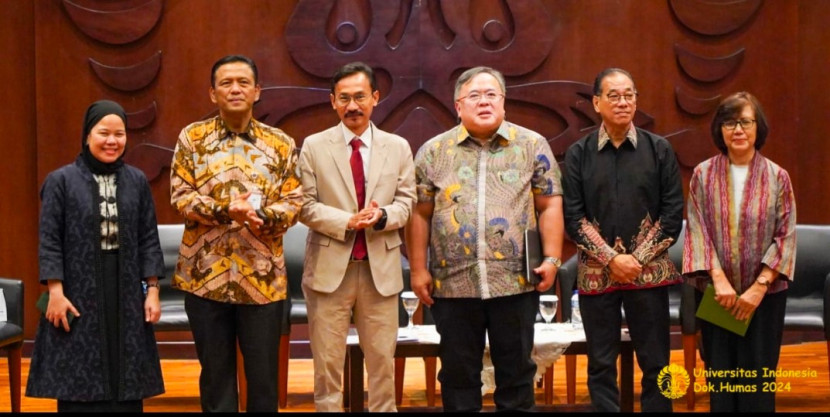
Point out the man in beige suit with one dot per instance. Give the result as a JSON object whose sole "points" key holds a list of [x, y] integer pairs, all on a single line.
{"points": [[359, 187]]}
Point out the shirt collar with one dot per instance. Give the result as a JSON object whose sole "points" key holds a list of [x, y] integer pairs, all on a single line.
{"points": [[223, 131], [604, 138], [366, 137], [505, 133]]}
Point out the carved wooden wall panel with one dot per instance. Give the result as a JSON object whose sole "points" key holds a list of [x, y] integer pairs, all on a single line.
{"points": [[112, 23], [19, 185], [128, 78], [684, 55], [714, 17], [804, 136], [418, 48]]}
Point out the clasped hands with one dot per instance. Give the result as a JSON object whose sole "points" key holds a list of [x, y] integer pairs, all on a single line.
{"points": [[241, 211], [366, 217], [740, 307], [624, 269]]}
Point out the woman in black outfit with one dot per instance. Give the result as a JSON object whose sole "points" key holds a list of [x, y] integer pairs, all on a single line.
{"points": [[99, 250]]}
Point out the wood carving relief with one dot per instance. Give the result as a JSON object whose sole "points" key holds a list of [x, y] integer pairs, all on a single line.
{"points": [[116, 24], [714, 17], [418, 48], [712, 21], [129, 78], [115, 27]]}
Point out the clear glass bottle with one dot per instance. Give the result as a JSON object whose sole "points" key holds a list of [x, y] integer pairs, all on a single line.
{"points": [[576, 316]]}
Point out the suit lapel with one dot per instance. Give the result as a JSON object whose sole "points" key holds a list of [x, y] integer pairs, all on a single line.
{"points": [[341, 157], [376, 161]]}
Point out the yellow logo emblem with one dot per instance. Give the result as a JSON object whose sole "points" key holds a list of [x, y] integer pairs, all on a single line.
{"points": [[673, 381]]}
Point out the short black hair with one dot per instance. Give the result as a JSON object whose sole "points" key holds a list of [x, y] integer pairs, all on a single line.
{"points": [[353, 68], [730, 109], [605, 73], [229, 59]]}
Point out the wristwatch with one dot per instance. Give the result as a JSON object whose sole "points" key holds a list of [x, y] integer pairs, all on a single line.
{"points": [[553, 260], [763, 281], [381, 224]]}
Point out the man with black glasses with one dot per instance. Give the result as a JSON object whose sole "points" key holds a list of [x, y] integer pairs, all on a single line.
{"points": [[623, 209]]}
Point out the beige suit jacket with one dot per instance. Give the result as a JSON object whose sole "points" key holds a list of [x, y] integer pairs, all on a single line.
{"points": [[329, 200]]}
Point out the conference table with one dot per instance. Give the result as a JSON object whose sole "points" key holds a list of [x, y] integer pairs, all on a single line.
{"points": [[555, 340]]}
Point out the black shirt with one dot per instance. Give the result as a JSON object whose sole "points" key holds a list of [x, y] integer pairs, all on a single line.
{"points": [[623, 200]]}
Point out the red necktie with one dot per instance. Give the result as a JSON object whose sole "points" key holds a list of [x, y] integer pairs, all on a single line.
{"points": [[359, 249]]}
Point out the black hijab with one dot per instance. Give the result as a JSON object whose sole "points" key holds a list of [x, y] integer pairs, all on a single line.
{"points": [[94, 114]]}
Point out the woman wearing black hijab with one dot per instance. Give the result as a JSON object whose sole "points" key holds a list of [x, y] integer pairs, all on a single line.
{"points": [[99, 250]]}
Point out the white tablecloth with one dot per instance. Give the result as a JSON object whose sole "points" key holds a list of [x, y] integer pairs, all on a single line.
{"points": [[548, 346]]}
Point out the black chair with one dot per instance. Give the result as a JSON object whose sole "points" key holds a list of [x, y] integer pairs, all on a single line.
{"points": [[682, 310], [421, 316], [11, 335], [173, 317], [808, 298], [566, 283], [296, 311], [561, 291]]}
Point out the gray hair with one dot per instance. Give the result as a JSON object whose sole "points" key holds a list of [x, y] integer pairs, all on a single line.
{"points": [[468, 75]]}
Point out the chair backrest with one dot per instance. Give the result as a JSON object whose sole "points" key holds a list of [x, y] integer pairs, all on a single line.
{"points": [[812, 260], [13, 293], [676, 250], [170, 238], [566, 279], [423, 315], [682, 302], [293, 243]]}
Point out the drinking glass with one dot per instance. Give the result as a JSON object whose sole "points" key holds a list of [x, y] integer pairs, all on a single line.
{"points": [[547, 306], [410, 304]]}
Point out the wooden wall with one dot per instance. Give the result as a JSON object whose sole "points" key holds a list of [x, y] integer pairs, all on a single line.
{"points": [[18, 172], [154, 57]]}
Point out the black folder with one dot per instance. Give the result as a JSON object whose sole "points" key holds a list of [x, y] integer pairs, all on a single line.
{"points": [[533, 255]]}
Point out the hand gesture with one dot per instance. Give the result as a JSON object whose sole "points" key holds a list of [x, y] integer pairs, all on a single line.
{"points": [[152, 305], [241, 211], [624, 269], [366, 217], [57, 308], [548, 272], [746, 304], [421, 282], [725, 295]]}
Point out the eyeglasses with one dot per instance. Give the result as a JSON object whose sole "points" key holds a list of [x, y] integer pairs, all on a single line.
{"points": [[732, 124], [615, 98], [345, 99], [476, 96]]}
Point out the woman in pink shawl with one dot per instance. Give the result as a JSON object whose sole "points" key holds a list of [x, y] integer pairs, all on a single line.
{"points": [[740, 238]]}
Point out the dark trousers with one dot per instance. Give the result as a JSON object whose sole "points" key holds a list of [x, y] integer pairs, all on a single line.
{"points": [[463, 324], [647, 317], [758, 349], [216, 328]]}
